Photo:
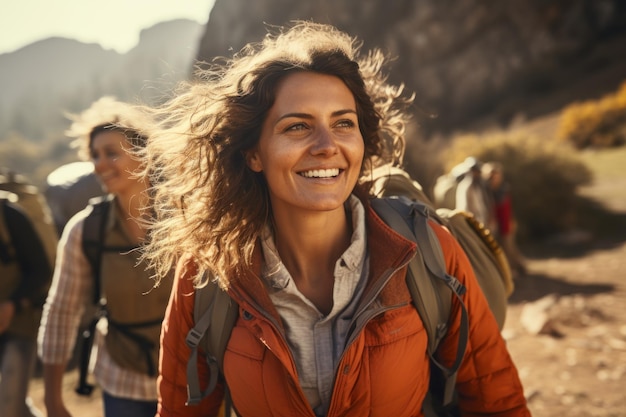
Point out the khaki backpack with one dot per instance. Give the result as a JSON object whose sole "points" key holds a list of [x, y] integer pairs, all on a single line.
{"points": [[34, 204], [26, 320], [403, 205], [9, 268], [487, 257], [94, 247]]}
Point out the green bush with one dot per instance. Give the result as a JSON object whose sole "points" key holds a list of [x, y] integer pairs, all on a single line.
{"points": [[595, 123], [544, 178]]}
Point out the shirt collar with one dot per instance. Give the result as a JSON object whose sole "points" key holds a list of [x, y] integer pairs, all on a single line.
{"points": [[277, 276]]}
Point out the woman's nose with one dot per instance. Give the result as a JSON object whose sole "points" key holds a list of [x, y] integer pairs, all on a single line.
{"points": [[99, 163], [324, 142]]}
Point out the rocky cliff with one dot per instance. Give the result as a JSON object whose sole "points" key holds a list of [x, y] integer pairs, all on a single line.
{"points": [[464, 59]]}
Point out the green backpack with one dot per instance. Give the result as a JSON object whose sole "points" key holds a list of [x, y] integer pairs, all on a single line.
{"points": [[402, 204]]}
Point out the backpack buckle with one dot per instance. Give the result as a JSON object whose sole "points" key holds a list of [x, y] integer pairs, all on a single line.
{"points": [[420, 208], [454, 284], [193, 338]]}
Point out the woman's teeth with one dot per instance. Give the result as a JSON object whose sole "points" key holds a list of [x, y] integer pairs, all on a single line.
{"points": [[321, 173]]}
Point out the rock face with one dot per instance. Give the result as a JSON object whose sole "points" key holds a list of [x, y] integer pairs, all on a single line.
{"points": [[462, 58]]}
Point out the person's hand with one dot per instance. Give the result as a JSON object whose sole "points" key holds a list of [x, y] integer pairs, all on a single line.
{"points": [[7, 311]]}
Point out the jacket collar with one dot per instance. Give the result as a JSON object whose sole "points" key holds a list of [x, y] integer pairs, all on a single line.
{"points": [[388, 252]]}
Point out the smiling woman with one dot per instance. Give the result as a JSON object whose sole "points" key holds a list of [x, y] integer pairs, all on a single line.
{"points": [[256, 171], [96, 263]]}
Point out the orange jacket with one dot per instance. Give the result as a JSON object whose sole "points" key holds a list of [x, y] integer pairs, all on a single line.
{"points": [[384, 370]]}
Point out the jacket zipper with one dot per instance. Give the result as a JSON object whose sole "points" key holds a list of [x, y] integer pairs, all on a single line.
{"points": [[362, 317], [360, 320]]}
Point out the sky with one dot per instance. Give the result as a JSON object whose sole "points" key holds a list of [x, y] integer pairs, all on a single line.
{"points": [[114, 24]]}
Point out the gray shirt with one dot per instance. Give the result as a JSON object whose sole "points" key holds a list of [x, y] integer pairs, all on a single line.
{"points": [[317, 341]]}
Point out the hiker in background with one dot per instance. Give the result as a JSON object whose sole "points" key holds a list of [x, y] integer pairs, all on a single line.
{"points": [[500, 189], [68, 190], [473, 196], [256, 171], [109, 130], [25, 274], [444, 190]]}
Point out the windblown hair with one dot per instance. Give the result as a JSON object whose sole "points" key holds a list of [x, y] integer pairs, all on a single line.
{"points": [[208, 203], [105, 114]]}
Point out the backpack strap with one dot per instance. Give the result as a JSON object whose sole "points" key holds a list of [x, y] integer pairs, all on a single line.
{"points": [[431, 297], [94, 228], [215, 312], [7, 251], [93, 244], [147, 346]]}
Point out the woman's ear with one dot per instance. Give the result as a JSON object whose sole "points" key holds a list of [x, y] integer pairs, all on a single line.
{"points": [[253, 161]]}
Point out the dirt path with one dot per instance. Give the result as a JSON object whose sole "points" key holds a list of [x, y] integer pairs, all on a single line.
{"points": [[77, 405], [578, 368]]}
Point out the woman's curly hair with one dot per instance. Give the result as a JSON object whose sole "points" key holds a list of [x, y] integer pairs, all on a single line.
{"points": [[208, 203]]}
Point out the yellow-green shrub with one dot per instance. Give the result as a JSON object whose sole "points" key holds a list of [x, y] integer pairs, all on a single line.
{"points": [[595, 123]]}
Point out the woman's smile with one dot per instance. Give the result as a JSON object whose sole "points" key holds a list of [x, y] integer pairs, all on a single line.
{"points": [[311, 149]]}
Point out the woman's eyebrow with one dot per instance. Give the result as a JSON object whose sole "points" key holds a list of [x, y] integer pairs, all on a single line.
{"points": [[309, 116]]}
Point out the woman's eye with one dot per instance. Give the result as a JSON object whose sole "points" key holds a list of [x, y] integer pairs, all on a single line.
{"points": [[345, 123], [296, 126], [112, 155]]}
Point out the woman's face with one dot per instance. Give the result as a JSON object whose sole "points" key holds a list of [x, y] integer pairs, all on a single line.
{"points": [[310, 149], [112, 163], [495, 179]]}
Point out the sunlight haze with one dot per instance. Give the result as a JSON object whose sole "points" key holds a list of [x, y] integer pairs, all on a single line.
{"points": [[114, 24]]}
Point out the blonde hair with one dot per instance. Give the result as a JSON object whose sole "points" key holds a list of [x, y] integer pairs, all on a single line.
{"points": [[208, 203], [106, 113]]}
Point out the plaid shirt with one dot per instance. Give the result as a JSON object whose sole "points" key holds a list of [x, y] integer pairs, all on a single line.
{"points": [[70, 293]]}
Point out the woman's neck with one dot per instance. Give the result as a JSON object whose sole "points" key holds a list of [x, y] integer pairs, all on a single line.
{"points": [[309, 245], [132, 203], [132, 206]]}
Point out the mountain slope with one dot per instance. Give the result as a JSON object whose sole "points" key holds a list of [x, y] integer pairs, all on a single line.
{"points": [[54, 64], [42, 80]]}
